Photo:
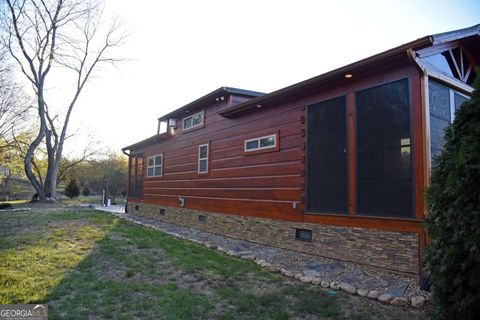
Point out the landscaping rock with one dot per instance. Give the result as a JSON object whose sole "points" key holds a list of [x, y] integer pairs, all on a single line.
{"points": [[249, 257], [260, 262], [273, 269], [347, 287], [418, 301], [385, 298], [310, 273], [362, 292], [306, 279], [374, 294], [316, 281], [335, 285], [324, 284], [399, 301], [398, 291], [189, 279]]}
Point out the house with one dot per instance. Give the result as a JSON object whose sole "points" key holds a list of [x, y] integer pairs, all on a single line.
{"points": [[335, 166]]}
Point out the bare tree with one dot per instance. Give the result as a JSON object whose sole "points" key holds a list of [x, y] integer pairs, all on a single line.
{"points": [[13, 104], [46, 35]]}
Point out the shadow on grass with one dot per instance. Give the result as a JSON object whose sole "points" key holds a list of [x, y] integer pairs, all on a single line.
{"points": [[94, 265]]}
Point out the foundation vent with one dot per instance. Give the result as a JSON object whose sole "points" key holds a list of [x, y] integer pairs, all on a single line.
{"points": [[303, 234]]}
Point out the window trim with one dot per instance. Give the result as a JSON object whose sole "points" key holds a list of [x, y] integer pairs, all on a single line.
{"points": [[207, 158], [200, 125], [275, 145], [155, 165]]}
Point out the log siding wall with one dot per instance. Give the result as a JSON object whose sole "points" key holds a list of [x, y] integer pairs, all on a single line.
{"points": [[272, 184]]}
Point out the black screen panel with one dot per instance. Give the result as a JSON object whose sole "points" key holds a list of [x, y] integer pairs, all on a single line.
{"points": [[327, 156], [383, 133]]}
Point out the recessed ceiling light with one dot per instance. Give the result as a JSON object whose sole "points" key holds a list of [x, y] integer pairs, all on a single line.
{"points": [[349, 75], [259, 106]]}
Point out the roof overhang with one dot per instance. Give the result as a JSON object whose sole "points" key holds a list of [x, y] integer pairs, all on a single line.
{"points": [[404, 50], [326, 77], [208, 98], [147, 142]]}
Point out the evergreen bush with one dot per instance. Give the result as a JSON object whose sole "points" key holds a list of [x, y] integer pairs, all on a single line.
{"points": [[86, 190], [72, 189], [453, 221]]}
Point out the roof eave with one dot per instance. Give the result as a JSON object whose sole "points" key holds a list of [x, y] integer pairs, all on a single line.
{"points": [[422, 42], [213, 94], [147, 141]]}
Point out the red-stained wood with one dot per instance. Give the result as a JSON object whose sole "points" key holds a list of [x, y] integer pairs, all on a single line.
{"points": [[280, 181], [265, 185], [230, 193], [418, 146], [284, 211]]}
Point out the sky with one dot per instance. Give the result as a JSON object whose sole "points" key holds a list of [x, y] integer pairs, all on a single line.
{"points": [[178, 51]]}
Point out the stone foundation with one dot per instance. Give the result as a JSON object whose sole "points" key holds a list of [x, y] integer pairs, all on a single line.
{"points": [[389, 250]]}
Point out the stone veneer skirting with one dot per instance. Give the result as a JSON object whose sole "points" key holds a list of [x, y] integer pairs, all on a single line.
{"points": [[390, 250]]}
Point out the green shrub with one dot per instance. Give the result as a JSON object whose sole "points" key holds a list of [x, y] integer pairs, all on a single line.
{"points": [[86, 190], [453, 222], [72, 190]]}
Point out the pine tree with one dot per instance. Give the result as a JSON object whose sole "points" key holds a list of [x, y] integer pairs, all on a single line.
{"points": [[86, 190], [72, 189]]}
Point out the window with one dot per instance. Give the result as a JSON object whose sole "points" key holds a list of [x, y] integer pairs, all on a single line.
{"points": [[193, 121], [384, 159], [203, 158], [154, 166], [261, 143], [327, 156], [443, 102]]}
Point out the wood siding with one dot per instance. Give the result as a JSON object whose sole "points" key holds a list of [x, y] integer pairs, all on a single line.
{"points": [[272, 184]]}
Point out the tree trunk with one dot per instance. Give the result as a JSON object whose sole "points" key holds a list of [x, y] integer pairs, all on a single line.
{"points": [[31, 150]]}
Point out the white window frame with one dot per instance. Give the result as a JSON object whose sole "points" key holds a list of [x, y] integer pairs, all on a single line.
{"points": [[274, 136], [155, 165], [191, 117], [452, 102], [206, 158]]}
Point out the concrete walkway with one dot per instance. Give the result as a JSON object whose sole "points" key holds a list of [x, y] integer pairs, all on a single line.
{"points": [[329, 273], [112, 208]]}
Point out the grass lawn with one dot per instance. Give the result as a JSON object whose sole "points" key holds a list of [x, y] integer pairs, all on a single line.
{"points": [[90, 265]]}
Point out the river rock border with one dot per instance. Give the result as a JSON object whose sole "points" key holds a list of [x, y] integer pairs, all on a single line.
{"points": [[415, 298]]}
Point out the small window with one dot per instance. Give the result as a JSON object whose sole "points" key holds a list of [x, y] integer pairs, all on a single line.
{"points": [[261, 143], [303, 234], [203, 158], [193, 121], [154, 166]]}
